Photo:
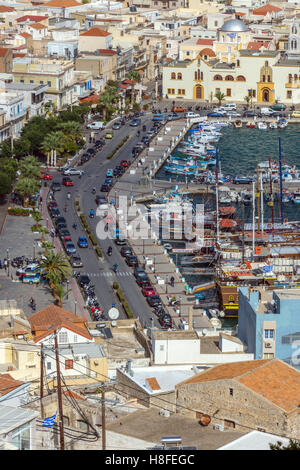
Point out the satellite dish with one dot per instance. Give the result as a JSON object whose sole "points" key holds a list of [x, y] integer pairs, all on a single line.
{"points": [[113, 313], [113, 323], [204, 331]]}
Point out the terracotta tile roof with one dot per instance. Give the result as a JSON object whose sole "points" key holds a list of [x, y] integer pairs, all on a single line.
{"points": [[37, 26], [205, 42], [8, 384], [4, 51], [226, 371], [26, 35], [207, 51], [257, 44], [4, 9], [276, 381], [70, 393], [152, 382], [52, 317], [62, 3], [272, 379], [95, 32], [31, 18], [268, 8], [239, 13], [107, 51]]}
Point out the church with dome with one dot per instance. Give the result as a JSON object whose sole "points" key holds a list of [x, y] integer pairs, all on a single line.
{"points": [[231, 67]]}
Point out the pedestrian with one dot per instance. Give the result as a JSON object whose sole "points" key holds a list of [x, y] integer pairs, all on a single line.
{"points": [[0, 264], [5, 264], [56, 232], [52, 233], [172, 280]]}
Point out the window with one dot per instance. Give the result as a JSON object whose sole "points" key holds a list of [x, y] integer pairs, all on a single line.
{"points": [[49, 83], [21, 437], [69, 364], [228, 91], [63, 337], [237, 63], [179, 76], [171, 91], [290, 79], [254, 93], [240, 78], [21, 81], [83, 425], [173, 76], [229, 78], [217, 90], [218, 77], [31, 81], [181, 92], [263, 78], [269, 334], [268, 356], [289, 94], [269, 78], [42, 82], [161, 348], [48, 365], [216, 23], [231, 392]]}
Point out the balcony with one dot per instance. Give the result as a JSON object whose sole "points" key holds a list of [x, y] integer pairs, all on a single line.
{"points": [[293, 84]]}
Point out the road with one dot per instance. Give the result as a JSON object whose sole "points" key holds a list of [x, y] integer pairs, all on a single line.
{"points": [[100, 272]]}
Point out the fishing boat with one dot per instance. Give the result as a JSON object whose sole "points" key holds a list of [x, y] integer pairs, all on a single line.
{"points": [[262, 125], [296, 197], [238, 124], [282, 123], [273, 125]]}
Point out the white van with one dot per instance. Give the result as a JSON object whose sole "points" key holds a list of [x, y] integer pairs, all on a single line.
{"points": [[229, 107], [267, 111], [190, 115], [97, 125]]}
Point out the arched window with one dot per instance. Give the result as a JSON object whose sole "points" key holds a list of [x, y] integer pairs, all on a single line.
{"points": [[295, 78], [240, 78], [294, 30], [290, 78], [269, 78], [201, 76], [218, 77], [263, 78], [179, 76], [229, 78], [196, 75], [173, 76]]}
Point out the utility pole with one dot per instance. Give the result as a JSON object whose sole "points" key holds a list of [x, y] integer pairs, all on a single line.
{"points": [[42, 381], [60, 408], [103, 421]]}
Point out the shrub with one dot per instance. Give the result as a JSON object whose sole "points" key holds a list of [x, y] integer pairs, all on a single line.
{"points": [[116, 285], [93, 239], [18, 211], [98, 251]]}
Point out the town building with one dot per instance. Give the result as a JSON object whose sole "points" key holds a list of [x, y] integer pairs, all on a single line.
{"points": [[93, 39], [269, 324], [260, 395], [17, 428]]}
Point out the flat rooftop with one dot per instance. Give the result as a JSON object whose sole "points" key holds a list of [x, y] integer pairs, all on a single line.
{"points": [[174, 335], [189, 429]]}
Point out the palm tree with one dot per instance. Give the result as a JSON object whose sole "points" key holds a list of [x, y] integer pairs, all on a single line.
{"points": [[220, 96], [26, 187], [43, 230], [47, 246], [71, 130], [134, 76], [105, 102], [37, 216], [55, 267], [60, 293], [247, 99], [53, 142], [30, 168]]}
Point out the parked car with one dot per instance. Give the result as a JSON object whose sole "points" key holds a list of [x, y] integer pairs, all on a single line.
{"points": [[178, 109], [143, 281], [64, 232], [125, 163], [278, 107], [61, 226], [295, 114], [139, 272], [46, 176], [84, 280], [110, 172], [191, 115], [55, 212], [60, 220], [116, 125], [251, 114], [135, 122], [73, 171], [70, 247], [267, 111], [242, 180], [214, 114], [75, 261], [100, 199], [56, 186], [148, 290], [154, 300], [166, 320], [233, 114], [82, 242], [104, 188], [52, 204], [126, 250], [131, 260], [97, 125], [67, 181], [120, 241]]}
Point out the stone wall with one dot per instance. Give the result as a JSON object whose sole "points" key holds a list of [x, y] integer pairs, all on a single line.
{"points": [[228, 400]]}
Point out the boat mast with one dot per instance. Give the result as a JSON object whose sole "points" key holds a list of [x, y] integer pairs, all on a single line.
{"points": [[258, 197], [217, 193], [253, 219], [262, 202], [280, 176]]}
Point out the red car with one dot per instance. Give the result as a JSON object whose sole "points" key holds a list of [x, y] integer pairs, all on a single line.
{"points": [[67, 238], [46, 176], [67, 182], [148, 290], [125, 163], [52, 204]]}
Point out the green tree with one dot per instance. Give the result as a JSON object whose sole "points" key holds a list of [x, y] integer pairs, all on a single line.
{"points": [[5, 184], [47, 245], [71, 130], [26, 187], [60, 293], [105, 103], [55, 141], [30, 168], [55, 267], [247, 99], [43, 230], [134, 76], [37, 217], [292, 445], [220, 97]]}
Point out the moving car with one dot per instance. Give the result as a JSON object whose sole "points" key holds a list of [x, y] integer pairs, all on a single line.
{"points": [[116, 125], [56, 186], [135, 122], [100, 199], [67, 181], [75, 261], [73, 171], [109, 135], [84, 280], [82, 242], [179, 109]]}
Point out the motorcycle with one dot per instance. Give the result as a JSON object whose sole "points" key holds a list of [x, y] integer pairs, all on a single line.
{"points": [[109, 251], [92, 214]]}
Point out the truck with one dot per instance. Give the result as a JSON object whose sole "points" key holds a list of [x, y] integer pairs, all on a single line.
{"points": [[96, 125]]}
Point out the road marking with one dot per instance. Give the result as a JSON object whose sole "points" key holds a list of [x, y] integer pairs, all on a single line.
{"points": [[108, 273]]}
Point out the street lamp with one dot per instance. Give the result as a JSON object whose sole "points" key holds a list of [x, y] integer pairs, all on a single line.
{"points": [[8, 260], [75, 306], [68, 282], [33, 250]]}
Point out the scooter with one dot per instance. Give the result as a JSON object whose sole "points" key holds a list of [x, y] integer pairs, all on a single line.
{"points": [[109, 251], [92, 214]]}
